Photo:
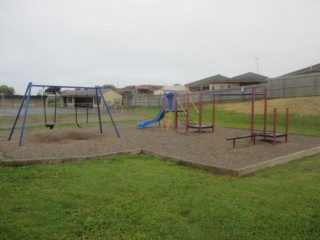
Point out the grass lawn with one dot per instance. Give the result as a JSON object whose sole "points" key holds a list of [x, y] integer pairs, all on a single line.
{"points": [[141, 197]]}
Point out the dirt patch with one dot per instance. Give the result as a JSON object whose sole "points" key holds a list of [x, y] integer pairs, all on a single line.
{"points": [[59, 136]]}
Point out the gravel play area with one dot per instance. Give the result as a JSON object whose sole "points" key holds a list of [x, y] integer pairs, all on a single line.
{"points": [[207, 148]]}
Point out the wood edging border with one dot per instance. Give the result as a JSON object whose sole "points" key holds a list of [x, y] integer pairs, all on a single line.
{"points": [[209, 168], [202, 166], [277, 161]]}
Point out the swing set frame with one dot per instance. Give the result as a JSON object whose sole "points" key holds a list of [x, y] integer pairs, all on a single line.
{"points": [[26, 100]]}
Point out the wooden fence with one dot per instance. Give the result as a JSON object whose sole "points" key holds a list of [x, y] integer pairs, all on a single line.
{"points": [[295, 86], [282, 87], [140, 100], [305, 85]]}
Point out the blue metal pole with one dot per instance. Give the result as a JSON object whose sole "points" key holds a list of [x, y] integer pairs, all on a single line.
{"points": [[108, 109], [99, 114], [19, 111], [25, 115]]}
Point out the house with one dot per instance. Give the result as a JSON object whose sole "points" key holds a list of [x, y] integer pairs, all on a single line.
{"points": [[126, 92], [247, 79], [146, 89], [218, 82], [175, 88], [87, 98], [129, 91], [214, 82], [312, 69]]}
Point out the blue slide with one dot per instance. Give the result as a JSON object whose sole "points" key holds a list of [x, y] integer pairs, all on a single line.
{"points": [[143, 124]]}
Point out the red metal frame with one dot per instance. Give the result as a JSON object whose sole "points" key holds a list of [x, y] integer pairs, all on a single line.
{"points": [[274, 125], [213, 109], [200, 111], [287, 123], [165, 108], [265, 111], [252, 112], [187, 113]]}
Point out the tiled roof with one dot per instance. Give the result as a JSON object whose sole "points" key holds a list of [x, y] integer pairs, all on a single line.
{"points": [[207, 81], [248, 77], [311, 69]]}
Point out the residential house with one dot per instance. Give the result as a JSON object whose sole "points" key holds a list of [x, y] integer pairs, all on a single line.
{"points": [[146, 89], [175, 88], [219, 82], [214, 82], [129, 91], [247, 79]]}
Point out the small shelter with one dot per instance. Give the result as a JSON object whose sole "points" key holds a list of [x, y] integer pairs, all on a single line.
{"points": [[87, 98]]}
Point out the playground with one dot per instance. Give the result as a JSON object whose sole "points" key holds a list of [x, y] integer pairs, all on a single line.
{"points": [[205, 151], [201, 146]]}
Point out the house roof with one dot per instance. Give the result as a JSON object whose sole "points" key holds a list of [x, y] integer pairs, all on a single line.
{"points": [[248, 77], [84, 93], [207, 81], [311, 69]]}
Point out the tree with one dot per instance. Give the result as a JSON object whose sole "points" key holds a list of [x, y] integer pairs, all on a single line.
{"points": [[109, 86], [7, 90], [52, 90]]}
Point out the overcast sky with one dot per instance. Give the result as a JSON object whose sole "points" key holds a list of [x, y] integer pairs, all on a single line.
{"points": [[133, 42]]}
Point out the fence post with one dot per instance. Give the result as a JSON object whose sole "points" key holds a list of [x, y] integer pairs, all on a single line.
{"points": [[2, 103], [314, 84]]}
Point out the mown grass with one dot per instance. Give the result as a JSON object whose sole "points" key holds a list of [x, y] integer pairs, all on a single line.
{"points": [[309, 125], [141, 197]]}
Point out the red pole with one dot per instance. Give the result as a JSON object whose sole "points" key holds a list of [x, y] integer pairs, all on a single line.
{"points": [[252, 112], [187, 113], [265, 110], [287, 123], [274, 125], [200, 111], [213, 109], [164, 108]]}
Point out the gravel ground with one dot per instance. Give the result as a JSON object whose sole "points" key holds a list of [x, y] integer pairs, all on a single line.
{"points": [[207, 148]]}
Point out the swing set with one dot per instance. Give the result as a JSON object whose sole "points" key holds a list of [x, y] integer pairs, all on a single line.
{"points": [[26, 100]]}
